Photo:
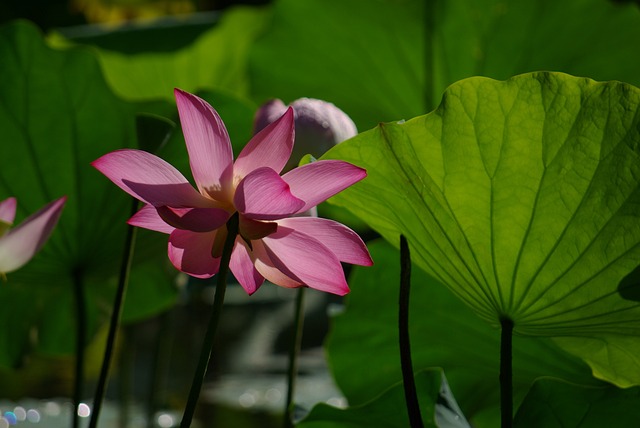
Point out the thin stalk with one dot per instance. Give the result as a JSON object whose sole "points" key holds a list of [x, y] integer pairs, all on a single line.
{"points": [[125, 267], [81, 334], [294, 351], [207, 344], [506, 373], [410, 393]]}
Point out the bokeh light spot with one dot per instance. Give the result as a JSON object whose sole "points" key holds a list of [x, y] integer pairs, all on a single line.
{"points": [[10, 417], [165, 421], [21, 413], [83, 410], [33, 416]]}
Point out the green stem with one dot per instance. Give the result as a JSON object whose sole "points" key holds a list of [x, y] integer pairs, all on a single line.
{"points": [[410, 393], [506, 372], [207, 344], [114, 324], [81, 334], [294, 350]]}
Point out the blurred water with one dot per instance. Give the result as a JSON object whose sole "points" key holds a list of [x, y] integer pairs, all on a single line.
{"points": [[56, 413]]}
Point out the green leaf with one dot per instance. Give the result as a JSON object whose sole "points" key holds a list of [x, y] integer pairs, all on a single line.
{"points": [[215, 60], [153, 131], [56, 116], [372, 58], [521, 196], [389, 408], [444, 333], [511, 188], [552, 403]]}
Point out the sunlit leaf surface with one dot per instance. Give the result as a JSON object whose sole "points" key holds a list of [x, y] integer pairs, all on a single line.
{"points": [[217, 59], [521, 196]]}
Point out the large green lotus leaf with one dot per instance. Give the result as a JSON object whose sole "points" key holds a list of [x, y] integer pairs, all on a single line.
{"points": [[215, 60], [389, 409], [551, 403], [521, 196], [373, 58], [56, 116], [444, 333]]}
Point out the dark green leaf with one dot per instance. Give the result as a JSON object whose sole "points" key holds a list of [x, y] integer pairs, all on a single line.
{"points": [[389, 408], [551, 403], [444, 333], [56, 116], [371, 57]]}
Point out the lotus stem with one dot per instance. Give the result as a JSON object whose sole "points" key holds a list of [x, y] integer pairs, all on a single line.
{"points": [[294, 351], [506, 372], [114, 324], [81, 334], [207, 345], [410, 393]]}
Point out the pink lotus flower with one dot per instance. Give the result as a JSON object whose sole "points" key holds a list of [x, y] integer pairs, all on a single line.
{"points": [[20, 244], [272, 243]]}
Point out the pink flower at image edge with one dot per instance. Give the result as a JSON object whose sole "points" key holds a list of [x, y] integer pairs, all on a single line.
{"points": [[274, 242], [20, 244]]}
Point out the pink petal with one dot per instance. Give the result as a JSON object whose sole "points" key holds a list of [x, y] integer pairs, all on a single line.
{"points": [[270, 147], [242, 268], [256, 229], [317, 181], [149, 179], [264, 195], [301, 256], [208, 144], [265, 267], [20, 244], [342, 241], [194, 219], [190, 252], [268, 113], [8, 210], [147, 217]]}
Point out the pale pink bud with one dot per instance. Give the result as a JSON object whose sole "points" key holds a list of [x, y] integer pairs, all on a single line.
{"points": [[319, 126]]}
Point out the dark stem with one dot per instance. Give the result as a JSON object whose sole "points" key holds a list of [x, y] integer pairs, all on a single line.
{"points": [[294, 350], [506, 373], [207, 344], [81, 334], [410, 393], [123, 279]]}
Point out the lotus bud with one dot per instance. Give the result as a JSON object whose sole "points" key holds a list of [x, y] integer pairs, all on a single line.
{"points": [[319, 126]]}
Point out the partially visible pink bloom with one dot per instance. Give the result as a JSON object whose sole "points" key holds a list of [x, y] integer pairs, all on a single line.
{"points": [[20, 244], [272, 243], [319, 125]]}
